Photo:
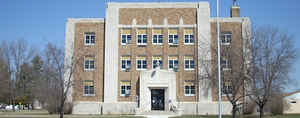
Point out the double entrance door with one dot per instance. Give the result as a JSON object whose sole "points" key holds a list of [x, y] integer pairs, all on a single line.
{"points": [[157, 99]]}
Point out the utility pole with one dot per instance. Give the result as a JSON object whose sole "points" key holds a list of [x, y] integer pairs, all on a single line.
{"points": [[219, 61]]}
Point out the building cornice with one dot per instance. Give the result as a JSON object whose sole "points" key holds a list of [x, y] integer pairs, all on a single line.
{"points": [[85, 20], [157, 4]]}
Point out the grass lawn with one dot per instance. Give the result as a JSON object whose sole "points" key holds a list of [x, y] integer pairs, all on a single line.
{"points": [[44, 114], [248, 116]]}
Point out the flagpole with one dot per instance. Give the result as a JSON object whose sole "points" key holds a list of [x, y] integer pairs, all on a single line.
{"points": [[219, 60]]}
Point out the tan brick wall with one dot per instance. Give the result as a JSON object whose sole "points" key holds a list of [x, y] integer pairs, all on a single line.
{"points": [[164, 50], [126, 15], [97, 52], [235, 12], [236, 45]]}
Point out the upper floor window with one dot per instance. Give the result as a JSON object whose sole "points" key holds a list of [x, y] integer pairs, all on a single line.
{"points": [[226, 63], [125, 63], [88, 88], [173, 36], [125, 36], [157, 37], [189, 63], [189, 88], [90, 38], [141, 63], [173, 62], [125, 88], [157, 61], [226, 38], [227, 86], [89, 63], [189, 36], [142, 37]]}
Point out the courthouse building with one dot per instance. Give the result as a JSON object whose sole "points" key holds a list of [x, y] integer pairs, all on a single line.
{"points": [[148, 56]]}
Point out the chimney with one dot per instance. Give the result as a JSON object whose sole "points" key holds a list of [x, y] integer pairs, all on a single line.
{"points": [[235, 11]]}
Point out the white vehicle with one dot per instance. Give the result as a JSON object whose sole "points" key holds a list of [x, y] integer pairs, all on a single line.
{"points": [[10, 107]]}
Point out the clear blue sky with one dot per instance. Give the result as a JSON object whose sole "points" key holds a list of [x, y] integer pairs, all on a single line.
{"points": [[40, 21]]}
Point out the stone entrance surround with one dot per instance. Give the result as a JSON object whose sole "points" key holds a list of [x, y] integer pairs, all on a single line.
{"points": [[157, 79]]}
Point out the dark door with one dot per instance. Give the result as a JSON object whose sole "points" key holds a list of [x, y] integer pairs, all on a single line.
{"points": [[157, 99]]}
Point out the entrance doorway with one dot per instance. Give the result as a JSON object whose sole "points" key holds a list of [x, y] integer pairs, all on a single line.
{"points": [[157, 99]]}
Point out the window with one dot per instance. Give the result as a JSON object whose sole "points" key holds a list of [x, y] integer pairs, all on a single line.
{"points": [[157, 61], [125, 63], [226, 38], [189, 36], [89, 38], [142, 37], [88, 88], [227, 87], [189, 63], [157, 37], [89, 63], [126, 36], [226, 63], [125, 88], [189, 88], [173, 36], [173, 62], [141, 63]]}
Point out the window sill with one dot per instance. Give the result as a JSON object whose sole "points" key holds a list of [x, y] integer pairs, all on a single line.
{"points": [[141, 69], [188, 69], [226, 69], [88, 95], [89, 70], [157, 44], [188, 43], [124, 95], [224, 94], [189, 95], [86, 44], [226, 43]]}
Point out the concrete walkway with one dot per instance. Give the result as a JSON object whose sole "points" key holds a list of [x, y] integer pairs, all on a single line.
{"points": [[157, 116]]}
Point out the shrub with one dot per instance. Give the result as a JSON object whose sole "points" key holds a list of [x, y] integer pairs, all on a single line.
{"points": [[249, 107], [276, 105], [68, 108]]}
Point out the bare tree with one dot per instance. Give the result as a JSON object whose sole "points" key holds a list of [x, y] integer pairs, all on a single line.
{"points": [[273, 53], [59, 76], [4, 76], [234, 68], [15, 53]]}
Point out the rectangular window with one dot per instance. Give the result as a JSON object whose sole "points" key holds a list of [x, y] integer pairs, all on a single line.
{"points": [[125, 36], [125, 88], [226, 63], [90, 38], [189, 63], [227, 87], [173, 62], [157, 61], [142, 37], [173, 36], [189, 36], [226, 38], [189, 89], [89, 63], [88, 88], [157, 37], [125, 63], [141, 63]]}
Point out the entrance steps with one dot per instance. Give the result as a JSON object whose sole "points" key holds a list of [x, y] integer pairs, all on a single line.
{"points": [[157, 114]]}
